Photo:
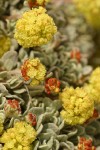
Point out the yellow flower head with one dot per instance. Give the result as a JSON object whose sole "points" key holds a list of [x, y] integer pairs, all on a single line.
{"points": [[34, 70], [35, 28], [5, 44], [93, 88], [19, 137], [78, 107], [91, 10]]}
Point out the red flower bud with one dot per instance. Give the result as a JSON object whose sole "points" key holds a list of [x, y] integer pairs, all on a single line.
{"points": [[31, 118], [52, 85], [75, 54], [33, 3], [85, 144], [12, 108]]}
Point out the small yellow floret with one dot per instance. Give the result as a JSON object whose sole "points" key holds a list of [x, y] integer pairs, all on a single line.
{"points": [[91, 10], [35, 28], [78, 107], [5, 44], [18, 138]]}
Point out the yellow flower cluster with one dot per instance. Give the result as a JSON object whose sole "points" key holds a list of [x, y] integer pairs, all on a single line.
{"points": [[91, 10], [78, 107], [93, 88], [19, 137], [41, 2], [5, 44], [33, 69], [35, 28]]}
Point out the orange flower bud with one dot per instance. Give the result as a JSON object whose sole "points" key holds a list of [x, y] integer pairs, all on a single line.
{"points": [[75, 54], [12, 108], [85, 144], [31, 118], [52, 85], [24, 69]]}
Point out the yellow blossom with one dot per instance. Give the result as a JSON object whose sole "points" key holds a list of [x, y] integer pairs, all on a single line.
{"points": [[33, 69], [40, 2], [5, 44], [78, 107], [19, 137], [93, 88], [91, 10], [35, 28]]}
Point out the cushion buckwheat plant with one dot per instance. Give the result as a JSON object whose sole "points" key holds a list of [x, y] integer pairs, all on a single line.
{"points": [[33, 69], [19, 137], [35, 28], [78, 107], [91, 10]]}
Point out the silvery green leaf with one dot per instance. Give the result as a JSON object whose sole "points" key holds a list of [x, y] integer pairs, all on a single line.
{"points": [[43, 147], [62, 138], [87, 70], [51, 126], [72, 133], [20, 91], [67, 146], [22, 53], [9, 60], [56, 145], [35, 145], [3, 89], [37, 110], [39, 129], [50, 142], [2, 102]]}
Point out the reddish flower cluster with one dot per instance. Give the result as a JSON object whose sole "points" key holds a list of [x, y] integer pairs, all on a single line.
{"points": [[76, 55], [24, 69], [31, 118], [12, 108], [52, 85], [33, 3], [85, 144]]}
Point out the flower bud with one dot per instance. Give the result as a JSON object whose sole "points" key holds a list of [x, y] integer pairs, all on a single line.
{"points": [[75, 54], [33, 69], [34, 3], [52, 85], [12, 108], [31, 119], [85, 144]]}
